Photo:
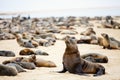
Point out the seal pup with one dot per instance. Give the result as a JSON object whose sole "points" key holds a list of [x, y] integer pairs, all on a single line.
{"points": [[73, 63]]}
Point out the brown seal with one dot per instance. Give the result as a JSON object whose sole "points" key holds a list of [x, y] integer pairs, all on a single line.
{"points": [[88, 32], [26, 52], [33, 59], [30, 52], [25, 42], [43, 63], [110, 43], [92, 39], [73, 63], [7, 70], [95, 57]]}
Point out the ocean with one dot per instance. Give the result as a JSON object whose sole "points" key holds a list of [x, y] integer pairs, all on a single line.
{"points": [[70, 12]]}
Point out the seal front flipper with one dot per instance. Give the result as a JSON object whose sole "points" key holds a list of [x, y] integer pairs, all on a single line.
{"points": [[79, 70], [64, 69]]}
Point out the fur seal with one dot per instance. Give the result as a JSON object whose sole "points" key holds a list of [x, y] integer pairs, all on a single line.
{"points": [[73, 63], [43, 63], [88, 32], [7, 70], [18, 67], [44, 42], [95, 57], [26, 65], [39, 52], [26, 52], [109, 43], [25, 42], [92, 39], [30, 52], [19, 59], [7, 53], [32, 59]]}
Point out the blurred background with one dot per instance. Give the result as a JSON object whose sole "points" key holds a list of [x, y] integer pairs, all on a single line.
{"points": [[47, 8]]}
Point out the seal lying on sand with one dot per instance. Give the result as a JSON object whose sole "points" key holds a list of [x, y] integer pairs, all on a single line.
{"points": [[95, 57], [7, 70], [43, 63], [26, 52], [109, 43], [31, 59], [24, 42], [7, 53], [92, 39], [26, 65], [88, 32], [30, 52], [73, 63], [18, 67]]}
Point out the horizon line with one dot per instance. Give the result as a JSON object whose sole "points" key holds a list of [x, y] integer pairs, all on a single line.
{"points": [[54, 10]]}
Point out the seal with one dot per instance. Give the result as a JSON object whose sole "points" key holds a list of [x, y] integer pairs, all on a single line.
{"points": [[73, 63], [30, 52], [88, 32], [92, 39], [27, 62], [95, 57], [25, 42], [7, 70], [7, 53], [26, 65], [109, 43], [39, 52], [42, 63], [18, 67], [26, 52]]}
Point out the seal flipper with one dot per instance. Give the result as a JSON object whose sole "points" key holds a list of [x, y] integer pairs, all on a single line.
{"points": [[100, 71], [79, 70], [64, 69]]}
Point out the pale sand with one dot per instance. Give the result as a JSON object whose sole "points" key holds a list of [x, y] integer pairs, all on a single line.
{"points": [[56, 54]]}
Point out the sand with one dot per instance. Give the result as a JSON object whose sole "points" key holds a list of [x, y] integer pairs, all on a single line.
{"points": [[56, 54]]}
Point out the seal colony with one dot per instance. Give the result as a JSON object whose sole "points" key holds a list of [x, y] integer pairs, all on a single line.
{"points": [[35, 32], [73, 63]]}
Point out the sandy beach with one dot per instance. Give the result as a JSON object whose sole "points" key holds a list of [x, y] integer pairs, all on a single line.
{"points": [[56, 53]]}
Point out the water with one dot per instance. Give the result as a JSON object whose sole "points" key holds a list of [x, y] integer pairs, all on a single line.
{"points": [[71, 12]]}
